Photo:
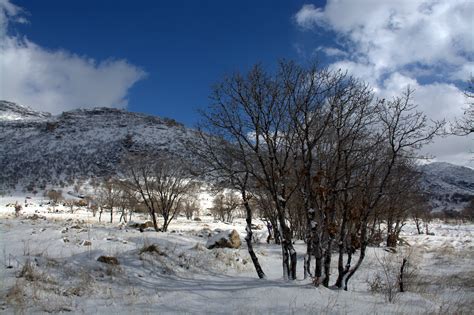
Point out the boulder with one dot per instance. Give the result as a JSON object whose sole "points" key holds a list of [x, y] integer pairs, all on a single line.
{"points": [[224, 239]]}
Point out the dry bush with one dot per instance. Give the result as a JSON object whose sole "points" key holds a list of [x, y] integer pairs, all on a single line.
{"points": [[396, 273], [28, 272], [153, 248], [16, 295]]}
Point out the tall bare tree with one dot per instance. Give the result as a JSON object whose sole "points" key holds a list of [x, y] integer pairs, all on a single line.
{"points": [[251, 112], [402, 129], [230, 166]]}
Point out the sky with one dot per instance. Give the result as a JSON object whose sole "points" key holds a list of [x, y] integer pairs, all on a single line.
{"points": [[162, 57]]}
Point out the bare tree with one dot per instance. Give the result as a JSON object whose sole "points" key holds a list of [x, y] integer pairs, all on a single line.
{"points": [[161, 182], [314, 148], [465, 124], [402, 130], [54, 196], [191, 207], [108, 195], [228, 164], [225, 205], [251, 112]]}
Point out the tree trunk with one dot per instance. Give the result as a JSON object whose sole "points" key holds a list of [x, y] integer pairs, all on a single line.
{"points": [[311, 231], [248, 240], [363, 247], [318, 257], [340, 263], [418, 225], [402, 270], [153, 218]]}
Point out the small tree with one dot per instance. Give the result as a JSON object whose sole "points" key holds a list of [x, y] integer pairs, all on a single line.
{"points": [[468, 212], [18, 208], [225, 205], [162, 182], [54, 196], [190, 207], [108, 196]]}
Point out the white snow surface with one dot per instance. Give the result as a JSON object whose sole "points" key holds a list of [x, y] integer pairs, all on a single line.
{"points": [[182, 276]]}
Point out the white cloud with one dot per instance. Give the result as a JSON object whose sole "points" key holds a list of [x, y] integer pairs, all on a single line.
{"points": [[332, 51], [388, 34], [56, 81], [395, 44], [309, 16]]}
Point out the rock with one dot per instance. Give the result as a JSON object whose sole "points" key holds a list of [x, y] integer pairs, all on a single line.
{"points": [[198, 219], [141, 226], [108, 260], [228, 239], [86, 243]]}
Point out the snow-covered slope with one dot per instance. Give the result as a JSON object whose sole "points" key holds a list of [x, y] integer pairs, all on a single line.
{"points": [[449, 186], [12, 111], [80, 143]]}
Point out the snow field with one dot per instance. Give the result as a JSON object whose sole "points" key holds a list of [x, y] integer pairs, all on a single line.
{"points": [[48, 265]]}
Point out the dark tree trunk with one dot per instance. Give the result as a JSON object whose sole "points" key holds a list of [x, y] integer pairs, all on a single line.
{"points": [[363, 247], [342, 248], [276, 233], [248, 240], [318, 268], [418, 225], [402, 270], [327, 263]]}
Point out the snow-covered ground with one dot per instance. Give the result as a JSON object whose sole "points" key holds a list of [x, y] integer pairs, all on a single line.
{"points": [[48, 263]]}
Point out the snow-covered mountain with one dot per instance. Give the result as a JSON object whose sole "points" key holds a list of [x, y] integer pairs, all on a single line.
{"points": [[12, 111], [449, 186], [39, 148]]}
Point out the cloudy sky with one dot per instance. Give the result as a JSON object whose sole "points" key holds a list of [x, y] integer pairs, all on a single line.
{"points": [[162, 57]]}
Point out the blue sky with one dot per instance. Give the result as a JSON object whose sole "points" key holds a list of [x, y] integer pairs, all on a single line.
{"points": [[162, 57], [184, 47]]}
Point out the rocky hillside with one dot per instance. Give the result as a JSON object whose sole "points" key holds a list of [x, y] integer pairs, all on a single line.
{"points": [[449, 187], [38, 148]]}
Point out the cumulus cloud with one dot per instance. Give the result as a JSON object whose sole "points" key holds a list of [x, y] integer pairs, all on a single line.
{"points": [[424, 44], [57, 81]]}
